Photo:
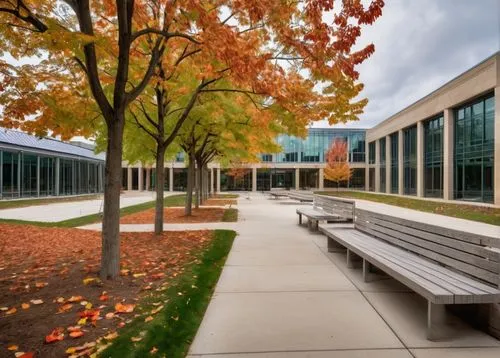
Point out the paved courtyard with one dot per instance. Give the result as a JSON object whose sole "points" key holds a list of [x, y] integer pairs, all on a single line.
{"points": [[69, 210], [281, 294]]}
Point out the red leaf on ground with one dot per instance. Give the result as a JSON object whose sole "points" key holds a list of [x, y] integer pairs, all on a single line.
{"points": [[55, 336]]}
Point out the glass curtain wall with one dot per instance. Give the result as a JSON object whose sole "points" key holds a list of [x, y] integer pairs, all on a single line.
{"points": [[47, 176], [474, 150], [10, 174], [263, 179], [382, 156], [312, 149], [394, 163], [231, 183], [410, 160], [433, 157], [25, 174], [371, 153], [28, 175], [357, 180]]}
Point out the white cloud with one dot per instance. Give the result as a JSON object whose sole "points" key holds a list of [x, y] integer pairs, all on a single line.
{"points": [[421, 45]]}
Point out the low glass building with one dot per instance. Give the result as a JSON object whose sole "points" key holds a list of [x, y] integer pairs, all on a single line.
{"points": [[32, 167]]}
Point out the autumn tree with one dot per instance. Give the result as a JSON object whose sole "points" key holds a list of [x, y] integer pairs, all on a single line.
{"points": [[337, 164], [99, 57]]}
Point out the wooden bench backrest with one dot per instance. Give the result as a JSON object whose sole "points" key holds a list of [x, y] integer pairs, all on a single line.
{"points": [[301, 194], [332, 205], [472, 254]]}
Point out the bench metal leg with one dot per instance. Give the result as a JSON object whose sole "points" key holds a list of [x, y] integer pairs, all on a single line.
{"points": [[366, 271], [334, 246], [436, 322], [300, 219], [312, 224], [352, 259]]}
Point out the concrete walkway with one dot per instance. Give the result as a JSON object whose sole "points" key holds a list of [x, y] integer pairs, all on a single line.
{"points": [[281, 294], [72, 209]]}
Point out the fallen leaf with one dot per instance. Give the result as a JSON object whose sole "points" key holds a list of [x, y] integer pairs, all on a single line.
{"points": [[148, 318], [76, 334], [137, 275], [25, 306], [109, 315], [36, 302], [73, 299], [73, 328], [89, 280], [111, 336], [60, 300], [11, 311], [82, 321], [66, 307], [156, 310], [153, 350], [136, 339], [157, 276], [4, 308], [88, 306], [56, 335], [124, 308], [124, 272], [41, 284], [12, 347], [103, 297], [24, 355]]}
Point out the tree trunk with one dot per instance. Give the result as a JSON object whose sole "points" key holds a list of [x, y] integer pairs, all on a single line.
{"points": [[190, 182], [199, 184], [110, 255], [160, 186]]}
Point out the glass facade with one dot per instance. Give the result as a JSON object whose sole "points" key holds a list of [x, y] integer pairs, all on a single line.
{"points": [[382, 157], [394, 163], [474, 150], [230, 183], [371, 153], [27, 175], [312, 149], [433, 157], [410, 160]]}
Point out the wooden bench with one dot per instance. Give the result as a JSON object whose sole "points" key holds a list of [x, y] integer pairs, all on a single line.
{"points": [[302, 196], [277, 193], [327, 208], [444, 266]]}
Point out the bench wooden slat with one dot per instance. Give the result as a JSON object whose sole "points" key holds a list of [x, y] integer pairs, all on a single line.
{"points": [[455, 234], [402, 234], [462, 266], [427, 289], [463, 292], [439, 239]]}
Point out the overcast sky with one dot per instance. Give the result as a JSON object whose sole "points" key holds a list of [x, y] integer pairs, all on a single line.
{"points": [[419, 46]]}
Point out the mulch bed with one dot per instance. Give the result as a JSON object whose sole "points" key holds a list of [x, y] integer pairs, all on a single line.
{"points": [[175, 216], [55, 270], [215, 202]]}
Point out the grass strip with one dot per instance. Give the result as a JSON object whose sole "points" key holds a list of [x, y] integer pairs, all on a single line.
{"points": [[230, 215], [174, 200], [484, 214], [185, 301]]}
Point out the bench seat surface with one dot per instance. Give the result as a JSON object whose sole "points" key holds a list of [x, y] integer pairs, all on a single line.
{"points": [[316, 214], [436, 283]]}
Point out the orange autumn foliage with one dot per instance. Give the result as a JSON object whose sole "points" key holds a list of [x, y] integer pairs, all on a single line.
{"points": [[337, 168]]}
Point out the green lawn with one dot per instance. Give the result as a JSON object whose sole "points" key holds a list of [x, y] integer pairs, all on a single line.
{"points": [[470, 212], [186, 299], [21, 203], [174, 200], [230, 215]]}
